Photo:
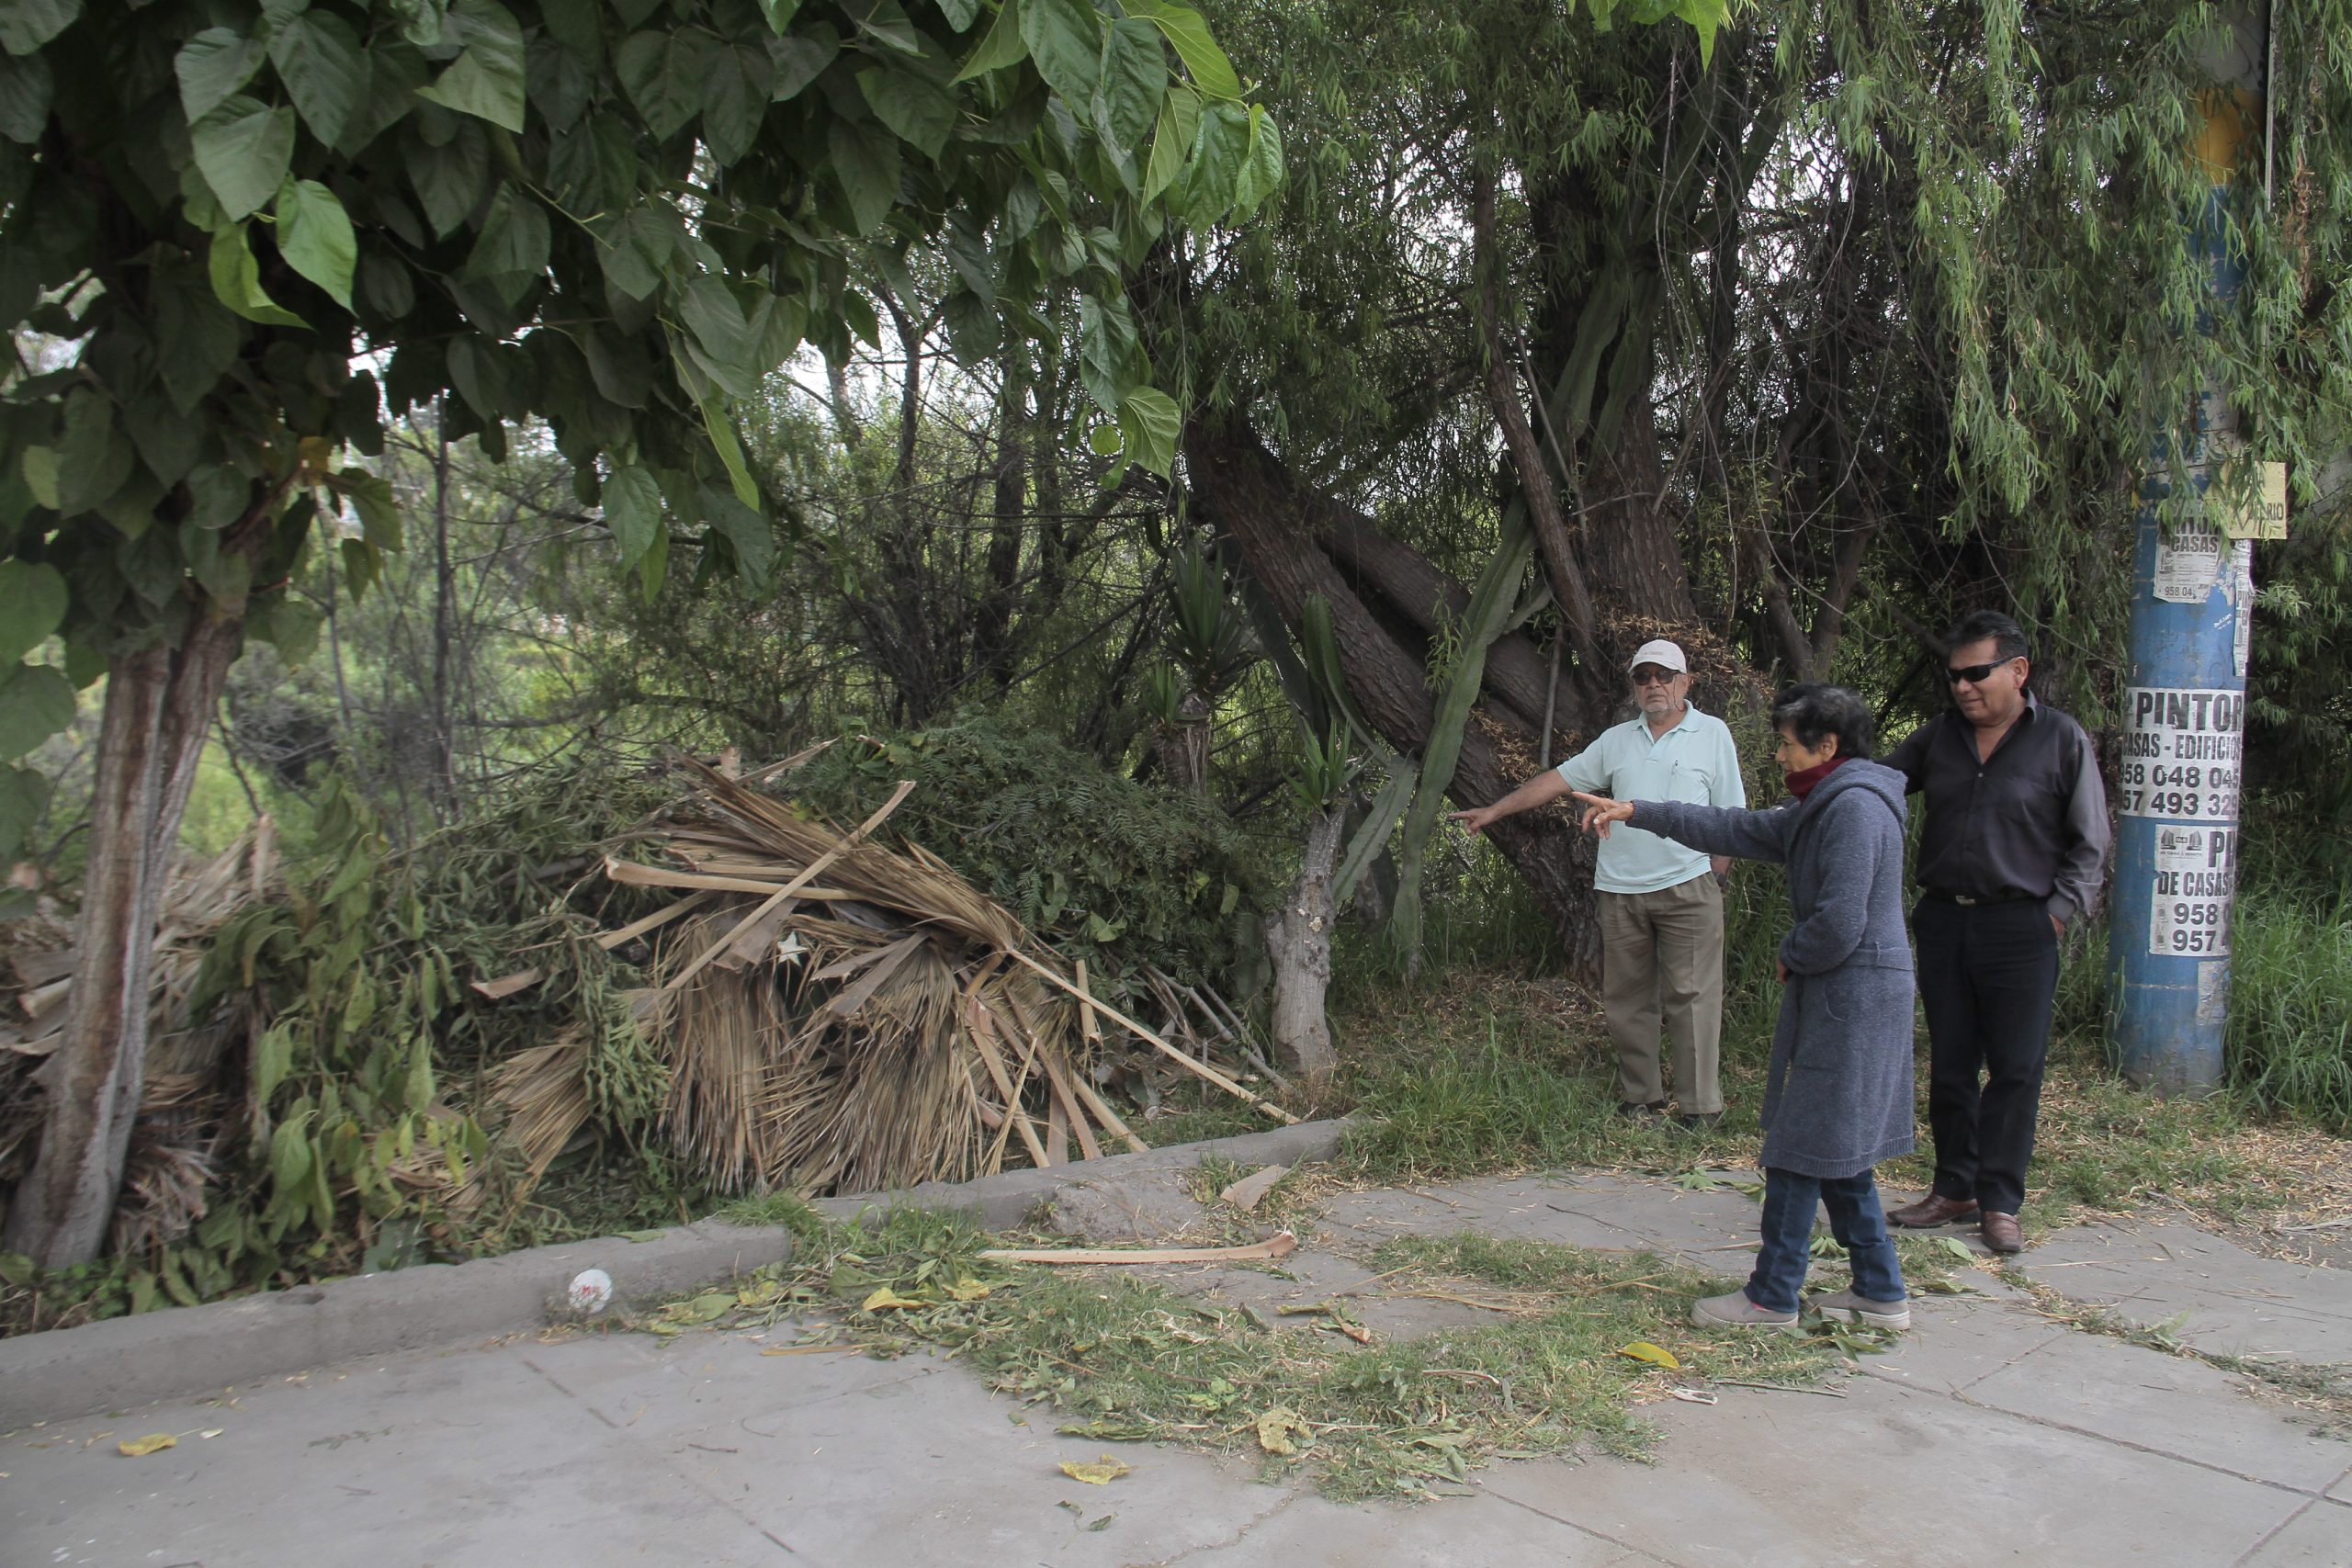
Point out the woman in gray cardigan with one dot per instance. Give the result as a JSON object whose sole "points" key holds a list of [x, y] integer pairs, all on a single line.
{"points": [[1837, 1091]]}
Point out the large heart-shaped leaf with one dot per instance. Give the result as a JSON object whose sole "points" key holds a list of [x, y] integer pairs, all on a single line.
{"points": [[244, 148], [865, 162], [1261, 174], [236, 280], [26, 25], [665, 74], [319, 58], [919, 112], [314, 236], [32, 606], [488, 80], [213, 67], [632, 511], [1212, 73], [1065, 37], [25, 92], [36, 702], [1134, 75]]}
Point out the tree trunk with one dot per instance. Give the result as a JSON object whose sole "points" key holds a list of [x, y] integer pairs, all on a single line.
{"points": [[1298, 940], [159, 707], [1183, 747], [1246, 490], [1632, 540], [1561, 569]]}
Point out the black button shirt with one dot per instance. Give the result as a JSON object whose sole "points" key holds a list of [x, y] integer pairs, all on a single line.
{"points": [[2028, 822]]}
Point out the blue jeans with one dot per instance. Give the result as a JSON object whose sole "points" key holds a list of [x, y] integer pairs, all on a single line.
{"points": [[1855, 1219]]}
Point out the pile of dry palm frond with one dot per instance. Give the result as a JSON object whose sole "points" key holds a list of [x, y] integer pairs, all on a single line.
{"points": [[839, 1015], [187, 1106]]}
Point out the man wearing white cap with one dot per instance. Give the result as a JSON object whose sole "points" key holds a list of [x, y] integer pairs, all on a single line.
{"points": [[1661, 904]]}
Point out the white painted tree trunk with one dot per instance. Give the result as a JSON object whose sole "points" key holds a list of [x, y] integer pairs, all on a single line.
{"points": [[1298, 940]]}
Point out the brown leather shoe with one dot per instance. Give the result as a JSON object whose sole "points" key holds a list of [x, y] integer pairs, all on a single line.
{"points": [[1933, 1210], [2001, 1233]]}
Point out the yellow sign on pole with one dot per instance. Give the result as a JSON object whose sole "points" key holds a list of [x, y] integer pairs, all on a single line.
{"points": [[2262, 516]]}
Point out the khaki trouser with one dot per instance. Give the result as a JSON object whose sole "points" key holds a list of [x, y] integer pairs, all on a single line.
{"points": [[1662, 954]]}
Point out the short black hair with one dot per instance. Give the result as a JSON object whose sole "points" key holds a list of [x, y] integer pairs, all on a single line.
{"points": [[1813, 710], [2008, 637]]}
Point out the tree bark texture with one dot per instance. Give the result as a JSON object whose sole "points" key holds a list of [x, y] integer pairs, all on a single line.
{"points": [[1536, 486], [1183, 747], [159, 707], [1298, 940], [1272, 517]]}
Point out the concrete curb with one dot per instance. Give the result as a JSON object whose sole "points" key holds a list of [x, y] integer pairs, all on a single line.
{"points": [[186, 1352], [183, 1352], [1003, 1200]]}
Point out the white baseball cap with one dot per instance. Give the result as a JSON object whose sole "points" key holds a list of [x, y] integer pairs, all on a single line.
{"points": [[1663, 654]]}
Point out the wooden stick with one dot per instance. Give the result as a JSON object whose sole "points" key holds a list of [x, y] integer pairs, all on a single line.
{"points": [[662, 916], [1056, 1128], [1102, 1113], [1093, 1031], [1066, 1103], [1281, 1244], [523, 979], [1020, 1081], [787, 764], [983, 1030], [505, 986], [1200, 1069], [807, 875], [629, 874], [1053, 1064]]}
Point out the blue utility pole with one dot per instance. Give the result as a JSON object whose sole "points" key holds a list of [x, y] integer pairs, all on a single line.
{"points": [[2184, 704]]}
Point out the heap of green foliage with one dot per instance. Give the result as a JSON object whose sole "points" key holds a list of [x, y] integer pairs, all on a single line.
{"points": [[250, 231], [354, 1129], [1100, 867]]}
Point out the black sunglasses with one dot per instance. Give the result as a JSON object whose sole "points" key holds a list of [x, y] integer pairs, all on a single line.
{"points": [[1974, 673]]}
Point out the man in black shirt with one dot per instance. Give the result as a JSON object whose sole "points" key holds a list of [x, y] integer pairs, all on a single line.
{"points": [[2011, 854]]}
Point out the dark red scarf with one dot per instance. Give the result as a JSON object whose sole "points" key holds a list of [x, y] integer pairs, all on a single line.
{"points": [[1800, 783]]}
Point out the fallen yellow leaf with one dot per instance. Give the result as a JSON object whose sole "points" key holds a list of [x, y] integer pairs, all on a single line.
{"points": [[1280, 1431], [967, 1290], [886, 1299], [1102, 1472], [139, 1448], [1643, 1351]]}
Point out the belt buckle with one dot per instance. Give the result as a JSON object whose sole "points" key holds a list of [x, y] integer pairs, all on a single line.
{"points": [[1964, 901]]}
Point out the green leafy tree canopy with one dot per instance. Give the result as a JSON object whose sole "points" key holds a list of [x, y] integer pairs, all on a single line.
{"points": [[246, 232]]}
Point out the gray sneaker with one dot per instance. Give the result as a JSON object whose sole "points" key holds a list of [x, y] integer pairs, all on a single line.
{"points": [[1846, 1307], [1736, 1311]]}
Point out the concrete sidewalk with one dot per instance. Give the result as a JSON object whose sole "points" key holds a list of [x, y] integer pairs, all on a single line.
{"points": [[1991, 1435]]}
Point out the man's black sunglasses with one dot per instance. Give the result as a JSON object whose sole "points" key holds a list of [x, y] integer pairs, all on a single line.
{"points": [[1974, 673]]}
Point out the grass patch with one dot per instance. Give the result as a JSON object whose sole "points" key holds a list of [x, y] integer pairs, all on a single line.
{"points": [[2290, 1034], [1221, 1117], [1118, 1358], [1496, 1073]]}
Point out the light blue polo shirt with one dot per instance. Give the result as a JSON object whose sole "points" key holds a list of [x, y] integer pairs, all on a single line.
{"points": [[1695, 761]]}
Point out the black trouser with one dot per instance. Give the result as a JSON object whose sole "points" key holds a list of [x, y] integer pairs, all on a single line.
{"points": [[1988, 977]]}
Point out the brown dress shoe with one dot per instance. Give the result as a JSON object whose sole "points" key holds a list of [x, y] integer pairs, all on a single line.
{"points": [[2001, 1233], [1933, 1210]]}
